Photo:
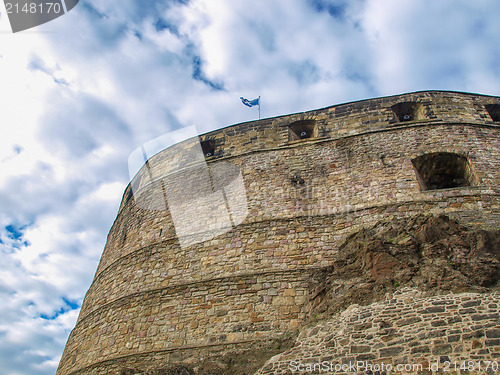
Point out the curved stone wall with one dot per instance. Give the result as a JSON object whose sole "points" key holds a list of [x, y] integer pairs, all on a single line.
{"points": [[151, 296]]}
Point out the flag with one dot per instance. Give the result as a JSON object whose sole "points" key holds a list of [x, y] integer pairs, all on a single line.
{"points": [[250, 103]]}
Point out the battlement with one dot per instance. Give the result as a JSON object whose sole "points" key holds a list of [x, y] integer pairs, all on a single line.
{"points": [[288, 192], [355, 118], [419, 109]]}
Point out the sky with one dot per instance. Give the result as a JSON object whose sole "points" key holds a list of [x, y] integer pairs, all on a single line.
{"points": [[80, 93]]}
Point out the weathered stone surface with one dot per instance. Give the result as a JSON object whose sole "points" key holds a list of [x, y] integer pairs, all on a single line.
{"points": [[412, 346], [338, 219]]}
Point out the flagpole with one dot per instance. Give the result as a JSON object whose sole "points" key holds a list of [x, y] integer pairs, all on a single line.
{"points": [[259, 107]]}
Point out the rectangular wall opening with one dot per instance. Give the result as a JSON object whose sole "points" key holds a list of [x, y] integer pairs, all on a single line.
{"points": [[493, 111], [408, 111], [443, 170], [208, 148], [302, 129]]}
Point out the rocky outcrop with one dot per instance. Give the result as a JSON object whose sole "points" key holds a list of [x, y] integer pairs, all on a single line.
{"points": [[430, 294], [431, 254]]}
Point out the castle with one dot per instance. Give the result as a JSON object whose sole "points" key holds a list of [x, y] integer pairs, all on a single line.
{"points": [[256, 265]]}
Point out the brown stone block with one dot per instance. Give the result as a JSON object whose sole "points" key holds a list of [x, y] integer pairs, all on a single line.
{"points": [[178, 342], [478, 317], [408, 321], [391, 351], [441, 349], [493, 333], [360, 349], [433, 309], [388, 338], [365, 357], [454, 338], [420, 349]]}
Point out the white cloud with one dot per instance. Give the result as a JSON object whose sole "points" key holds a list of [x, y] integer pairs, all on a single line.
{"points": [[432, 45]]}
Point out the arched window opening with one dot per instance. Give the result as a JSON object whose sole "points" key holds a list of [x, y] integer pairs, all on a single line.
{"points": [[302, 129], [443, 170], [408, 111]]}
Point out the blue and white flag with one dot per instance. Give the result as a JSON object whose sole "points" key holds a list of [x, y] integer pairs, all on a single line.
{"points": [[250, 103]]}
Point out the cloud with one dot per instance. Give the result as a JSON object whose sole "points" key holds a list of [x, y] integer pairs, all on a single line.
{"points": [[81, 93], [440, 45]]}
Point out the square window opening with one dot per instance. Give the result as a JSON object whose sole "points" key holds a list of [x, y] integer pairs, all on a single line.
{"points": [[302, 129], [493, 111], [208, 148], [408, 111]]}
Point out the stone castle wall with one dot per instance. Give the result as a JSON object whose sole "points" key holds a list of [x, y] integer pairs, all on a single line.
{"points": [[405, 334], [154, 301]]}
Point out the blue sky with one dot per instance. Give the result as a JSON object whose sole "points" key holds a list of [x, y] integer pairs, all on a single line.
{"points": [[80, 93]]}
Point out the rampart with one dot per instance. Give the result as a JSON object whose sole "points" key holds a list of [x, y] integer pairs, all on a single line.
{"points": [[310, 181]]}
